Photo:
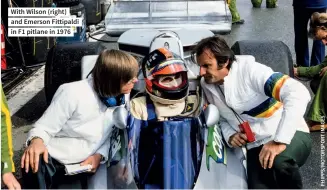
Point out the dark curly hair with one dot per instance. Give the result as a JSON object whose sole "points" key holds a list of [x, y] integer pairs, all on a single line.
{"points": [[219, 48]]}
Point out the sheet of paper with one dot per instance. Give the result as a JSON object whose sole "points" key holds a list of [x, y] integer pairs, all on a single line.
{"points": [[73, 169]]}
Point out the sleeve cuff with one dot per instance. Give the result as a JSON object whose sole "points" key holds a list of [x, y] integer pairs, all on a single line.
{"points": [[226, 137], [284, 137], [104, 150], [301, 71], [284, 133], [6, 167], [104, 156], [227, 133], [40, 134], [28, 141]]}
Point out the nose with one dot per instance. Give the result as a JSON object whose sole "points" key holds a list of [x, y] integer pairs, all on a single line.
{"points": [[324, 41], [202, 71], [134, 80]]}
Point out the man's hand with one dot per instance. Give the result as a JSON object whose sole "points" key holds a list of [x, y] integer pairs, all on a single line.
{"points": [[268, 153], [10, 181], [323, 71], [295, 71], [238, 140], [94, 161], [32, 154]]}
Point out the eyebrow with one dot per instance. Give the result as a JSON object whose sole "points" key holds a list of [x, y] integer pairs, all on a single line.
{"points": [[207, 63]]}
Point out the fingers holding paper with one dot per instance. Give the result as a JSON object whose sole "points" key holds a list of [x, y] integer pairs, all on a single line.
{"points": [[94, 161]]}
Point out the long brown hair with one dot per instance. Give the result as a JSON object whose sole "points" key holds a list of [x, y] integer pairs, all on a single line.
{"points": [[112, 69]]}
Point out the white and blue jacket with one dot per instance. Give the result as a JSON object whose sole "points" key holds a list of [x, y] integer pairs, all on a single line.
{"points": [[272, 103]]}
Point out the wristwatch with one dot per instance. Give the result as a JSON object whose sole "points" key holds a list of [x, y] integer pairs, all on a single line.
{"points": [[102, 158], [35, 137]]}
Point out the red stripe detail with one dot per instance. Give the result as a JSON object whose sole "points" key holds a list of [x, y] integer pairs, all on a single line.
{"points": [[3, 50]]}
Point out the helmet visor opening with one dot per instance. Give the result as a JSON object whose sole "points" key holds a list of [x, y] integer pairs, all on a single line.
{"points": [[171, 82], [167, 68]]}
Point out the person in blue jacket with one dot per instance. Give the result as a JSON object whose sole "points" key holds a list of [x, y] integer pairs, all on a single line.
{"points": [[303, 9]]}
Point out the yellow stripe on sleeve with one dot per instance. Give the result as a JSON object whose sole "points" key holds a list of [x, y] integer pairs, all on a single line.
{"points": [[9, 134], [278, 86]]}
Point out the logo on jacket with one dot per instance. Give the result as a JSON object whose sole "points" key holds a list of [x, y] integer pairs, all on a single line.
{"points": [[215, 148], [115, 143]]}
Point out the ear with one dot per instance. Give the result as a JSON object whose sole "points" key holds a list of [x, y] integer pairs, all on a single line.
{"points": [[227, 63]]}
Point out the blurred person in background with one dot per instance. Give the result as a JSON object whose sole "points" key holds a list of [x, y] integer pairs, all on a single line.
{"points": [[269, 3], [316, 115], [236, 18], [303, 9]]}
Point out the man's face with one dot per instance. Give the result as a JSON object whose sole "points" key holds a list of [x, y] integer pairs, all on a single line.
{"points": [[170, 81], [321, 35], [209, 68]]}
